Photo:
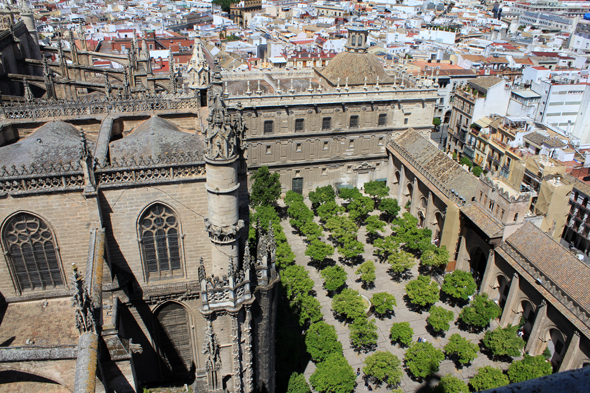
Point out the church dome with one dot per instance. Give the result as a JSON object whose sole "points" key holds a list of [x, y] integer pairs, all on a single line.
{"points": [[355, 66]]}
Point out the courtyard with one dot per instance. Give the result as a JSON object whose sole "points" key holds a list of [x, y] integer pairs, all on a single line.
{"points": [[384, 282]]}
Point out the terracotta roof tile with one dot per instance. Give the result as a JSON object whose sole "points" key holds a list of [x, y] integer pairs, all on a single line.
{"points": [[484, 220], [554, 261]]}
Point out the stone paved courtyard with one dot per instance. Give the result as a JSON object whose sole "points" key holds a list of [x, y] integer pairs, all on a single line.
{"points": [[385, 283]]}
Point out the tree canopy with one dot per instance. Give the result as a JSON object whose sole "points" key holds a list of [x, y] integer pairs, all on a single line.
{"points": [[459, 285], [349, 304], [401, 261], [504, 341], [349, 193], [266, 187], [461, 349], [343, 229], [359, 208], [450, 384], [374, 225], [308, 308], [423, 359], [377, 189], [367, 272], [383, 302], [334, 277], [334, 375], [386, 246], [225, 4], [528, 368], [322, 195], [407, 233], [363, 333], [311, 230], [292, 196], [328, 210], [389, 207], [298, 384], [440, 318], [319, 250], [296, 281], [300, 214], [422, 291], [385, 367], [435, 257], [321, 341], [401, 332], [488, 378], [480, 311], [351, 249]]}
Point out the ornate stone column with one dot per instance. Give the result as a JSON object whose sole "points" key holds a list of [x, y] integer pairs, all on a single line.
{"points": [[486, 283], [248, 371], [222, 224], [540, 321], [572, 353], [401, 185], [509, 306], [235, 337]]}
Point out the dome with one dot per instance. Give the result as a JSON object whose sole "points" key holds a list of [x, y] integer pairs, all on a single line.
{"points": [[355, 67], [51, 143]]}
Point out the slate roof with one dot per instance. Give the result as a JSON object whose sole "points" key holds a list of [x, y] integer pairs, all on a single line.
{"points": [[438, 164], [355, 67], [485, 82], [156, 136], [53, 142], [535, 138], [484, 220], [554, 261]]}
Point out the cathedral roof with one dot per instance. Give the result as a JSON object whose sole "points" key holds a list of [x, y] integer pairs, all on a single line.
{"points": [[156, 136], [438, 164], [52, 143], [355, 67]]}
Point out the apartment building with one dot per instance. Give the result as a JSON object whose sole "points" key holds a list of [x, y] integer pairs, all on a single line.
{"points": [[478, 98]]}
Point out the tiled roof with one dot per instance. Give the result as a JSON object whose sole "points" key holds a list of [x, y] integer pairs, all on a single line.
{"points": [[535, 138], [485, 82], [579, 185], [554, 261], [554, 142], [356, 67], [438, 164], [480, 217]]}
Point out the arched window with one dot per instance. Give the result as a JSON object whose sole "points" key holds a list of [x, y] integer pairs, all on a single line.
{"points": [[31, 251], [159, 236]]}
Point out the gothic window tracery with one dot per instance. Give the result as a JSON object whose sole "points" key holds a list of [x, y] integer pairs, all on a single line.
{"points": [[159, 234], [32, 253]]}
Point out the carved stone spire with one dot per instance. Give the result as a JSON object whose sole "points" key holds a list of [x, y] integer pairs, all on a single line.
{"points": [[221, 137], [107, 85], [85, 320], [48, 80], [247, 257], [172, 73], [126, 89], [28, 94]]}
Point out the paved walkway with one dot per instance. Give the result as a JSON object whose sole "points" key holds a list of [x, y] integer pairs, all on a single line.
{"points": [[384, 283]]}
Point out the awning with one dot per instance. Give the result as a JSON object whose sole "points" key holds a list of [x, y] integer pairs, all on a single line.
{"points": [[278, 60]]}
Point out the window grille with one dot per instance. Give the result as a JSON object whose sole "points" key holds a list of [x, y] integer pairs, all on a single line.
{"points": [[354, 121], [32, 253], [160, 241], [299, 124], [326, 123]]}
